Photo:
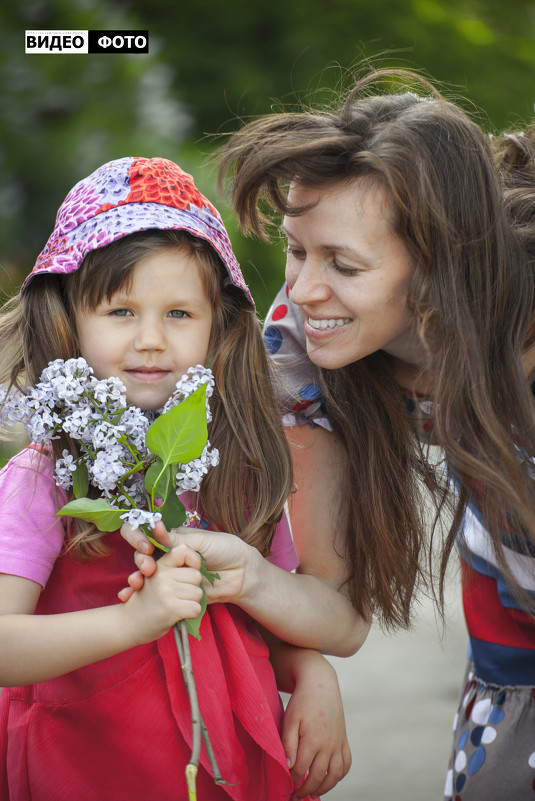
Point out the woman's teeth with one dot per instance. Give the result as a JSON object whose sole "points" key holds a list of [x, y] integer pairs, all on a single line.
{"points": [[328, 323]]}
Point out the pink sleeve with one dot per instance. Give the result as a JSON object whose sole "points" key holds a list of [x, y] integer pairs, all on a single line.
{"points": [[31, 536], [283, 553]]}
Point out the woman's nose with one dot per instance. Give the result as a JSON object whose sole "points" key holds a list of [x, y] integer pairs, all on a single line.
{"points": [[308, 283]]}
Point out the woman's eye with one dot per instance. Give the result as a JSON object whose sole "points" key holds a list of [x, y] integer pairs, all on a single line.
{"points": [[344, 270], [178, 314], [294, 252]]}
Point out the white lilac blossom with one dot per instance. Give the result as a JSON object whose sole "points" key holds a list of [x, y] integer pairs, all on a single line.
{"points": [[190, 475], [110, 393], [78, 424], [107, 468], [105, 435], [65, 467], [135, 424], [194, 378], [140, 517]]}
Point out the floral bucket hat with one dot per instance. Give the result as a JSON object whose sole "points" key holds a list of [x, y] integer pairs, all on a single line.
{"points": [[126, 196]]}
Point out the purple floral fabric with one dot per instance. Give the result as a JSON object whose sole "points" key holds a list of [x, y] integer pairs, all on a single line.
{"points": [[126, 196]]}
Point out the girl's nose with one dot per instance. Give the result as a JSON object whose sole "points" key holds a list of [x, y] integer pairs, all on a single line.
{"points": [[150, 335], [308, 283]]}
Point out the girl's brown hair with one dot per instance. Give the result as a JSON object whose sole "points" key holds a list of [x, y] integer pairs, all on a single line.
{"points": [[471, 288], [246, 492]]}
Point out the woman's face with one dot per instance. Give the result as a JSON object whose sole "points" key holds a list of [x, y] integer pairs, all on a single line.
{"points": [[350, 275]]}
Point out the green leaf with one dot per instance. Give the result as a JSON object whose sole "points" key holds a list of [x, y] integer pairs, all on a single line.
{"points": [[94, 510], [179, 435], [193, 625], [157, 479], [206, 573], [80, 481], [173, 511]]}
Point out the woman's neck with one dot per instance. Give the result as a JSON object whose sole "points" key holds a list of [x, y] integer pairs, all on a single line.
{"points": [[413, 377]]}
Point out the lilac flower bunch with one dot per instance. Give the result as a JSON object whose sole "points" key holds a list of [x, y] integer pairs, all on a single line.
{"points": [[136, 483]]}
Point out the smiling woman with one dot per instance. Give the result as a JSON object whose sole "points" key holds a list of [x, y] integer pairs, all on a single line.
{"points": [[411, 294]]}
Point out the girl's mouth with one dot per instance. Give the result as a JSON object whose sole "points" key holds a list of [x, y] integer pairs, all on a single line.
{"points": [[148, 373]]}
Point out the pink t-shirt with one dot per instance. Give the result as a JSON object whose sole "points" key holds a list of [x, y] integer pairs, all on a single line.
{"points": [[31, 535]]}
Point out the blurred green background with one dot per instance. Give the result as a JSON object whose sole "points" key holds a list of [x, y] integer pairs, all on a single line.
{"points": [[212, 63]]}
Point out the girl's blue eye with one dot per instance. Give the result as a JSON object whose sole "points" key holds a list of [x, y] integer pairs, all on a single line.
{"points": [[120, 312], [178, 314]]}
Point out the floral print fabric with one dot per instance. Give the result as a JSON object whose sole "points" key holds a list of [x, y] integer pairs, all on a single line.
{"points": [[126, 196]]}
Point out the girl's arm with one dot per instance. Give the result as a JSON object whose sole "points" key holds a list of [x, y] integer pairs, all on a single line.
{"points": [[314, 732], [309, 608], [40, 647]]}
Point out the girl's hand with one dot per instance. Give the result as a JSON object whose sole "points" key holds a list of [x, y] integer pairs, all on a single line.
{"points": [[224, 554], [172, 593], [146, 564], [314, 733]]}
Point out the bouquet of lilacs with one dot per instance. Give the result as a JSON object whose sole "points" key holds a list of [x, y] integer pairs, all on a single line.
{"points": [[138, 461]]}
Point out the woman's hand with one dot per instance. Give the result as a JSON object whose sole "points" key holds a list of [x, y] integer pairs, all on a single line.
{"points": [[224, 554]]}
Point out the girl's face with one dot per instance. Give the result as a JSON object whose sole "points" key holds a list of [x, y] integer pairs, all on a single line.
{"points": [[149, 334], [350, 275]]}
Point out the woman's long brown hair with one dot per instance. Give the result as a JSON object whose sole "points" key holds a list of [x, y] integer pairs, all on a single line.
{"points": [[472, 289], [246, 492]]}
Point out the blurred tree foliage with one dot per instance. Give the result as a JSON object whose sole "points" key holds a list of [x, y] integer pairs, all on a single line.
{"points": [[210, 64]]}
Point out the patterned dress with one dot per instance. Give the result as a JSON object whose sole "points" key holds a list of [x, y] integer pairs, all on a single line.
{"points": [[493, 754]]}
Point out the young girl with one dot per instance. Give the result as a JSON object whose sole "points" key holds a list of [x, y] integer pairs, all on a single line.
{"points": [[139, 278]]}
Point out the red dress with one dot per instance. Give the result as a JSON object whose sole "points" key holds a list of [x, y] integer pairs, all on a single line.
{"points": [[121, 728]]}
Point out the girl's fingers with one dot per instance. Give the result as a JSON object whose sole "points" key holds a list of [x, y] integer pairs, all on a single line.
{"points": [[181, 555], [146, 564], [320, 780], [136, 580], [125, 594]]}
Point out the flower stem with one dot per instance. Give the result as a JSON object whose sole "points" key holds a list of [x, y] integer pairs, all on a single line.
{"points": [[184, 656], [191, 781], [187, 669]]}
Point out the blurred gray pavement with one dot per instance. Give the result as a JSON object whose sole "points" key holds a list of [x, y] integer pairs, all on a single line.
{"points": [[400, 695]]}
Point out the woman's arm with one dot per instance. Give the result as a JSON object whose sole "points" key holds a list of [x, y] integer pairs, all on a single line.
{"points": [[309, 608], [41, 647], [314, 610]]}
